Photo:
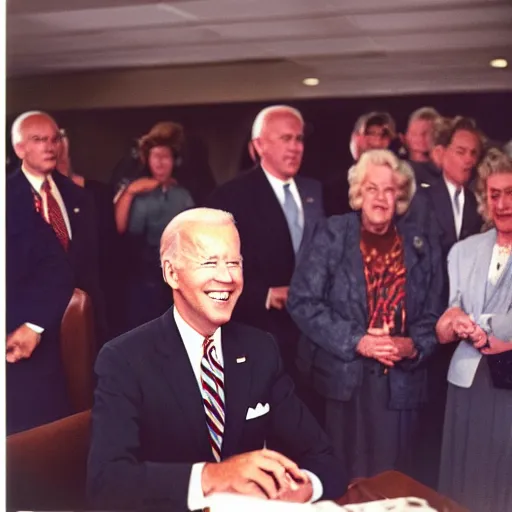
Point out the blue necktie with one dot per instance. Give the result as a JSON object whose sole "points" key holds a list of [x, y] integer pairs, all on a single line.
{"points": [[291, 212]]}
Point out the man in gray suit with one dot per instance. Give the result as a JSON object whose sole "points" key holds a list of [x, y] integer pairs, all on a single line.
{"points": [[275, 211]]}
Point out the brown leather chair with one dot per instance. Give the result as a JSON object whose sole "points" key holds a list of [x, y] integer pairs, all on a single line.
{"points": [[46, 466], [78, 349]]}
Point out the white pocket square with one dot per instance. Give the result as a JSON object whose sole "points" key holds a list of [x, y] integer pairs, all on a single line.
{"points": [[258, 411]]}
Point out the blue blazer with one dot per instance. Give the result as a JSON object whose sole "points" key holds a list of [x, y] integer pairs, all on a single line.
{"points": [[148, 419], [328, 301], [269, 259]]}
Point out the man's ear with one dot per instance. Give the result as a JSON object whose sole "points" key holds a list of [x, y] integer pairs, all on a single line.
{"points": [[19, 149], [437, 155], [170, 274], [257, 146]]}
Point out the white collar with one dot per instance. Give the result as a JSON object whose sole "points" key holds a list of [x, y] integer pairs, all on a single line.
{"points": [[36, 182], [453, 188], [189, 335], [276, 182]]}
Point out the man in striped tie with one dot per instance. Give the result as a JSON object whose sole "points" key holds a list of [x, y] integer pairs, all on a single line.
{"points": [[192, 404]]}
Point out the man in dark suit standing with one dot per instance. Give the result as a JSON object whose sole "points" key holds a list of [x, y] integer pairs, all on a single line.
{"points": [[275, 211], [39, 286], [186, 403], [65, 206], [453, 207]]}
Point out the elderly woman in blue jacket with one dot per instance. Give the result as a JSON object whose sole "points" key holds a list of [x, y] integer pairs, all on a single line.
{"points": [[366, 295]]}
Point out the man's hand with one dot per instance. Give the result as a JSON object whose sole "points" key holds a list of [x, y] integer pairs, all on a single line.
{"points": [[298, 493], [263, 473], [142, 185], [278, 296], [21, 343], [379, 347], [478, 337]]}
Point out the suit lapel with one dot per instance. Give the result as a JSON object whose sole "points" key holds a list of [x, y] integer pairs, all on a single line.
{"points": [[354, 267], [469, 215], [443, 208], [237, 380], [176, 369]]}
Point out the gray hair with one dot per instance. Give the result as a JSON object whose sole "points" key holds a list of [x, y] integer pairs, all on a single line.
{"points": [[262, 118], [495, 161], [424, 114], [404, 172], [16, 133], [171, 247]]}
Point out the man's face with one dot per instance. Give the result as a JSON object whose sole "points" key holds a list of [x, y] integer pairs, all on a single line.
{"points": [[419, 136], [161, 163], [379, 192], [460, 157], [499, 201], [40, 145], [375, 137], [208, 279], [281, 145]]}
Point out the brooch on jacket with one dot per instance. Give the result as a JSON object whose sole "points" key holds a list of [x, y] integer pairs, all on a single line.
{"points": [[417, 241]]}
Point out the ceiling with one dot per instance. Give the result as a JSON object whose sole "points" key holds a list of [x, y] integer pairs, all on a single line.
{"points": [[353, 46]]}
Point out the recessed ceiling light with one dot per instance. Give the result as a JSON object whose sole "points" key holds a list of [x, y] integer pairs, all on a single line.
{"points": [[498, 63], [311, 82]]}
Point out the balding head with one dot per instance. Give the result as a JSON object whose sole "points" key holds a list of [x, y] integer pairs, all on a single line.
{"points": [[37, 142]]}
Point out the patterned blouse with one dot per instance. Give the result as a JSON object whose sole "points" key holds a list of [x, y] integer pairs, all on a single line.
{"points": [[384, 270]]}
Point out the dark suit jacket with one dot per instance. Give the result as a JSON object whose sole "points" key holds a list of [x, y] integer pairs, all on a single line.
{"points": [[426, 173], [148, 420], [39, 285], [329, 303], [269, 259], [82, 253]]}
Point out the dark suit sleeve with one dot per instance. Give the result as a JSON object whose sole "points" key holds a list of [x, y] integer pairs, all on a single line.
{"points": [[296, 434], [116, 478], [39, 279], [309, 302]]}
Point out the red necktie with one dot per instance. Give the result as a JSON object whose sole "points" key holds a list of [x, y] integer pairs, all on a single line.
{"points": [[212, 383], [55, 217]]}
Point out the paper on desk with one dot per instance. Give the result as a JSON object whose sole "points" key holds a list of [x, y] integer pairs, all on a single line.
{"points": [[235, 502]]}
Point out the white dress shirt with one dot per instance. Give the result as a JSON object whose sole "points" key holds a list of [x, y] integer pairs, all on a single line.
{"points": [[193, 342], [277, 186], [457, 216], [36, 182]]}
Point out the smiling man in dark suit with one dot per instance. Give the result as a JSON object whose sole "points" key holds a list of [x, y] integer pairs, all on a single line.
{"points": [[65, 206], [191, 404], [276, 212]]}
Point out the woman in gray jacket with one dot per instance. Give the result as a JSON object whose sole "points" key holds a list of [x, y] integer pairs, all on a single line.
{"points": [[476, 459]]}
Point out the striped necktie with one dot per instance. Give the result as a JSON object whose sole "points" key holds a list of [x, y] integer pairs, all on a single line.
{"points": [[55, 217], [212, 387]]}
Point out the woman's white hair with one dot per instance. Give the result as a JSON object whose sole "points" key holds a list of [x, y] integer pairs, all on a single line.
{"points": [[171, 247], [262, 117], [495, 161], [16, 133], [404, 175]]}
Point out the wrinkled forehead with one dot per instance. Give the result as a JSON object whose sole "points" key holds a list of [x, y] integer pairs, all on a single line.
{"points": [[210, 242]]}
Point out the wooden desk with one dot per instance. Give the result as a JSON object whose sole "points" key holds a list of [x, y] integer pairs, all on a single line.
{"points": [[392, 484]]}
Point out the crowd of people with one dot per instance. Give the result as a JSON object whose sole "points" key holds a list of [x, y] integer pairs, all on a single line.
{"points": [[280, 326]]}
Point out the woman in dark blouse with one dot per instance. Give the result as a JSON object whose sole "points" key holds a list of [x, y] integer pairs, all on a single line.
{"points": [[366, 296]]}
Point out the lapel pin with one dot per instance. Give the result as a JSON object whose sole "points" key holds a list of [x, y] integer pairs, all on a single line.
{"points": [[309, 200], [76, 210], [241, 359], [425, 185]]}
